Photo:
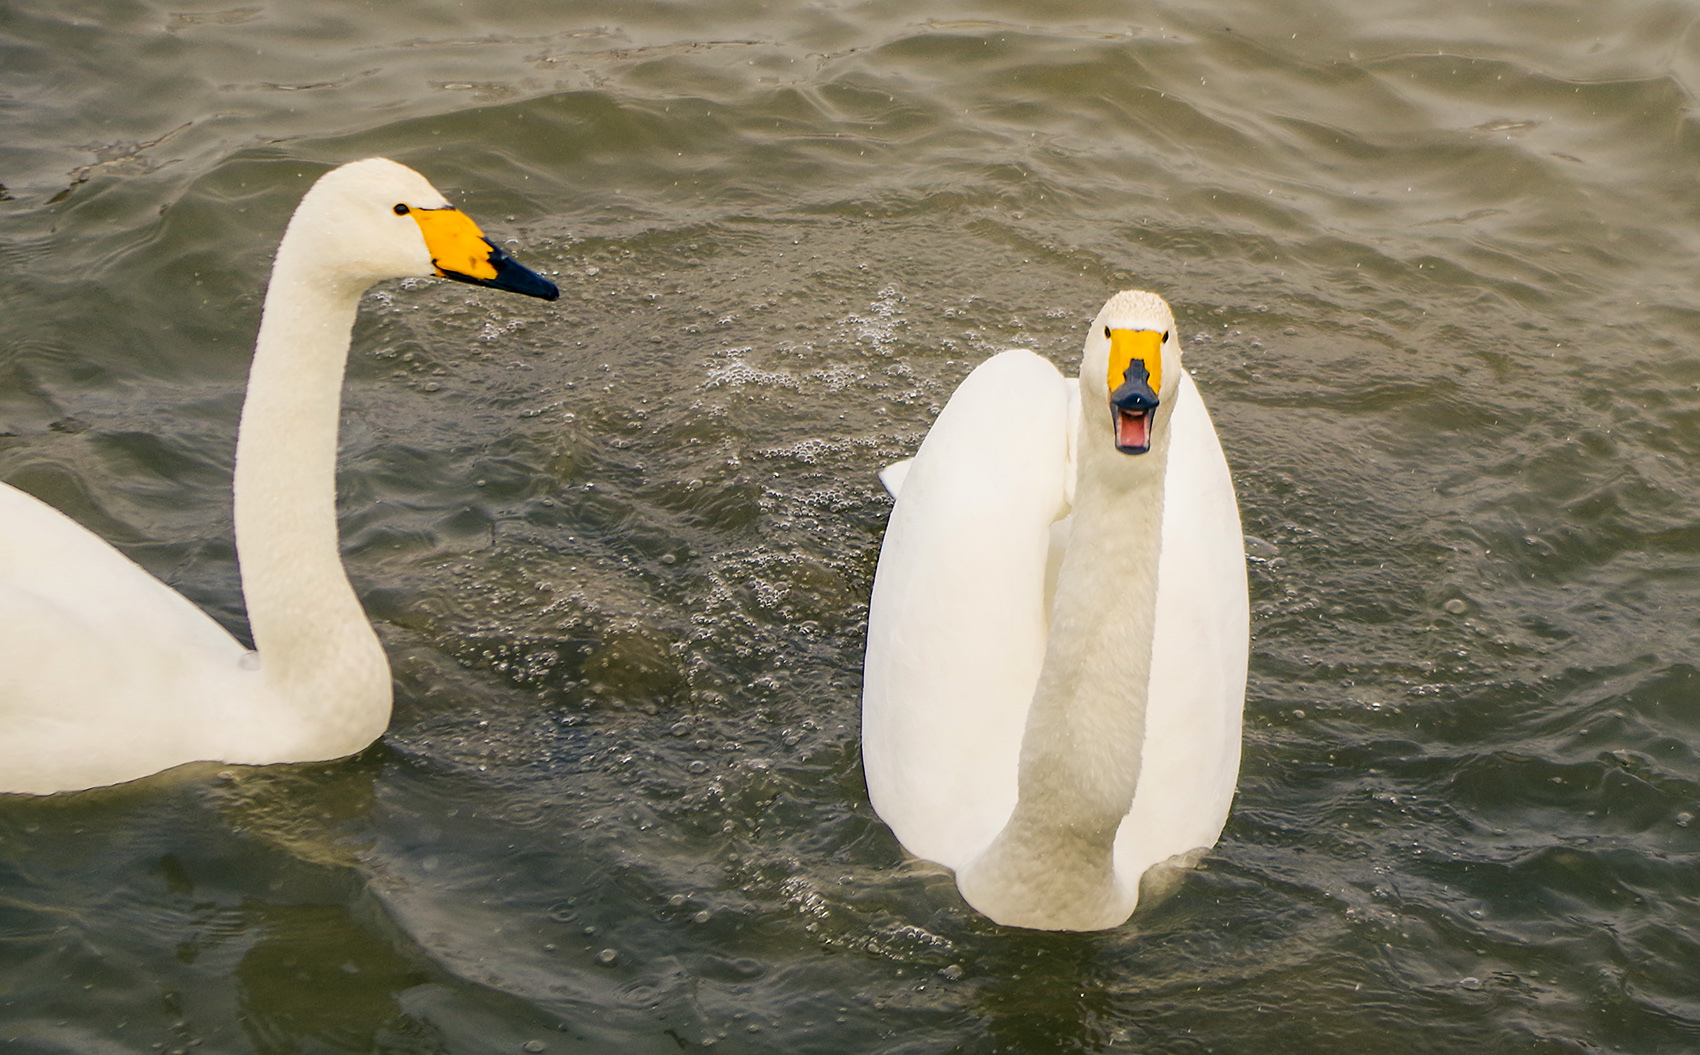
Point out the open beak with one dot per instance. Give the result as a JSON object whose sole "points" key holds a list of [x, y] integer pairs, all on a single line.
{"points": [[1135, 365], [460, 251], [1134, 406]]}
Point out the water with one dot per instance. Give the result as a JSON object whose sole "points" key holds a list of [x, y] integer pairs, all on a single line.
{"points": [[1436, 272]]}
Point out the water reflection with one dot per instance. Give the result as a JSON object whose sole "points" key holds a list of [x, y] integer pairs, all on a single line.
{"points": [[316, 976], [1046, 993]]}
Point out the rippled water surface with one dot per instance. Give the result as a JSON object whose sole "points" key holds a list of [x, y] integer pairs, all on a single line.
{"points": [[1435, 265]]}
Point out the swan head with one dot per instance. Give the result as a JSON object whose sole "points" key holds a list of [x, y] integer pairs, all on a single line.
{"points": [[1130, 365], [375, 219]]}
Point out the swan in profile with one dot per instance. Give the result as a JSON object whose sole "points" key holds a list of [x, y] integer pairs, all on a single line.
{"points": [[1058, 632], [107, 674]]}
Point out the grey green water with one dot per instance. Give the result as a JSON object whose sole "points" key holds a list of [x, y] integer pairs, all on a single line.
{"points": [[1436, 267]]}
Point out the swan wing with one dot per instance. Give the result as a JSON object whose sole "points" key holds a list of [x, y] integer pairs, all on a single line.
{"points": [[1191, 758], [957, 621], [104, 670]]}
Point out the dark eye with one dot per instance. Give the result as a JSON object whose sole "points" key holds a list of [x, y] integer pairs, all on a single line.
{"points": [[1165, 336], [1106, 333], [400, 208]]}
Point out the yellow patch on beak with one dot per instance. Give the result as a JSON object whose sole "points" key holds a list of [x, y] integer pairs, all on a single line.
{"points": [[1128, 345], [455, 242]]}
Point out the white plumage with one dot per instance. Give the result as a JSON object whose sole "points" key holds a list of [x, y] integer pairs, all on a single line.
{"points": [[1058, 633], [107, 674]]}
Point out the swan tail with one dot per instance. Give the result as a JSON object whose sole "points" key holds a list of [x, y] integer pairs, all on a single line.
{"points": [[893, 475]]}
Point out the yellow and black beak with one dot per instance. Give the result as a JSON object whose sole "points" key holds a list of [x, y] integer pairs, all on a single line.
{"points": [[1134, 378], [460, 251]]}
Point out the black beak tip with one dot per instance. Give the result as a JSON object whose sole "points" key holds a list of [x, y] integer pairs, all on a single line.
{"points": [[1135, 396], [543, 289], [511, 276], [515, 277]]}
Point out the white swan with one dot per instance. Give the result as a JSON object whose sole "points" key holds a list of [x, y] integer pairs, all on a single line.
{"points": [[1058, 632], [107, 674]]}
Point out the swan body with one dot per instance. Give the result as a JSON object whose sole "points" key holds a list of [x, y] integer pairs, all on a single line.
{"points": [[1058, 632], [106, 673]]}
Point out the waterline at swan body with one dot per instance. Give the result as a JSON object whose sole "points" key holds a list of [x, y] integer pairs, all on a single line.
{"points": [[107, 674], [1058, 633]]}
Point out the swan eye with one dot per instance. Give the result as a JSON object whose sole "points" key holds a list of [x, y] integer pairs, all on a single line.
{"points": [[1165, 336], [401, 208], [1106, 333]]}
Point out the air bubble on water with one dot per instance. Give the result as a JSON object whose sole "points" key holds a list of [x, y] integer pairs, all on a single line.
{"points": [[607, 957], [836, 378], [809, 451], [734, 372], [1456, 606]]}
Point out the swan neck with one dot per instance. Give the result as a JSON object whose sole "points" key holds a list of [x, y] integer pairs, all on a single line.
{"points": [[314, 641], [1053, 862]]}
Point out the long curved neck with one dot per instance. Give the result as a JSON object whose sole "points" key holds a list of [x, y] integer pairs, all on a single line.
{"points": [[1053, 861], [316, 647]]}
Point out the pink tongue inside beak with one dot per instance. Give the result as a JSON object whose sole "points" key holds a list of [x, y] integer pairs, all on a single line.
{"points": [[1133, 430]]}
